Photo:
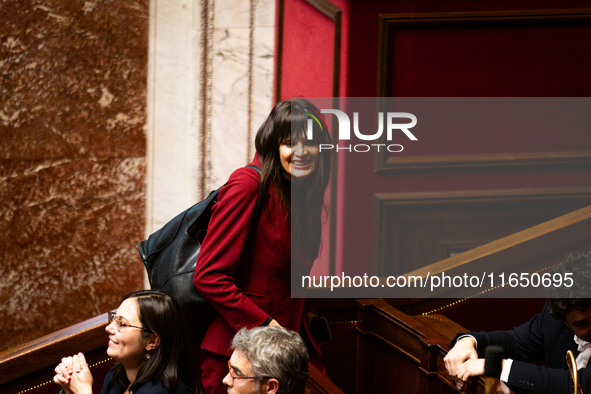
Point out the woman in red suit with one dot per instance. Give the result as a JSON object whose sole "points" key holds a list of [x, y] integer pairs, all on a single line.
{"points": [[245, 265]]}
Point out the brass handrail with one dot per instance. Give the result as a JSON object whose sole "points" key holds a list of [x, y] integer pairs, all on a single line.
{"points": [[572, 367]]}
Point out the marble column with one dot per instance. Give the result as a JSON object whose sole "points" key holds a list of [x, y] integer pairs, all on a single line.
{"points": [[210, 88]]}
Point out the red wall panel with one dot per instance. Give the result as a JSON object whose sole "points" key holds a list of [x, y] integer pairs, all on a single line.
{"points": [[307, 66]]}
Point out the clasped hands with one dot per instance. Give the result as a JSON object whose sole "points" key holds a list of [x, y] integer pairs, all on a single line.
{"points": [[462, 362], [73, 375]]}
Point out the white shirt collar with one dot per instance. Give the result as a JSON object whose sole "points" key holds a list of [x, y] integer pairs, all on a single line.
{"points": [[584, 349]]}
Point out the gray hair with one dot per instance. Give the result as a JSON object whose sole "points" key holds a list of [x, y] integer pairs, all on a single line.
{"points": [[275, 352]]}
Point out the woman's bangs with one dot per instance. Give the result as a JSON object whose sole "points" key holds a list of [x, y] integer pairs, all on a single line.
{"points": [[298, 125], [282, 129], [298, 134]]}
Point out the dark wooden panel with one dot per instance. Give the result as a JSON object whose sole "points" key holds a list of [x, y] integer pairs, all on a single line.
{"points": [[510, 53], [404, 354], [338, 354], [416, 229], [390, 24], [318, 383], [532, 250]]}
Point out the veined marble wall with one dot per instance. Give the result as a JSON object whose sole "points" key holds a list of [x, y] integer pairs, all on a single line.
{"points": [[81, 181], [210, 88], [72, 144]]}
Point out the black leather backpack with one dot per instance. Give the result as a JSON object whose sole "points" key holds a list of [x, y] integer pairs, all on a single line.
{"points": [[170, 255]]}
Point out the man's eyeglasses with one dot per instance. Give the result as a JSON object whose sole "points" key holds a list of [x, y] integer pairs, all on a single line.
{"points": [[113, 318], [234, 376]]}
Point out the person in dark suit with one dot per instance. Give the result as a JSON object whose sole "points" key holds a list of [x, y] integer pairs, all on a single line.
{"points": [[564, 324], [259, 229]]}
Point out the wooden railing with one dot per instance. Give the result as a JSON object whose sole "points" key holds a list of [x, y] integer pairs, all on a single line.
{"points": [[31, 364], [414, 336], [534, 249], [398, 353]]}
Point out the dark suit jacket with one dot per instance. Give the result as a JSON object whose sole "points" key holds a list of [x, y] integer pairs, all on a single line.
{"points": [[153, 387], [244, 268], [543, 338]]}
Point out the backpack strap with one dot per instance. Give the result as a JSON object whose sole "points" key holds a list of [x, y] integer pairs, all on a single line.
{"points": [[257, 209], [255, 167]]}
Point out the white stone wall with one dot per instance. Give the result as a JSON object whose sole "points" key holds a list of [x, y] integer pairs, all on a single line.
{"points": [[210, 86]]}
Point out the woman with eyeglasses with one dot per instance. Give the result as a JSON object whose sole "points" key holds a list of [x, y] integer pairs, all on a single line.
{"points": [[147, 340], [264, 231]]}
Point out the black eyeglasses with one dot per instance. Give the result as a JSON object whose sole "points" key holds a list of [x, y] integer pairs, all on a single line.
{"points": [[113, 318], [234, 376]]}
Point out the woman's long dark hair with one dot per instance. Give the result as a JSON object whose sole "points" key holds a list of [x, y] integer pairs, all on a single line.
{"points": [[170, 361], [303, 204]]}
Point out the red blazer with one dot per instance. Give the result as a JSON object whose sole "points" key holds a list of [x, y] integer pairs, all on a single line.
{"points": [[244, 270]]}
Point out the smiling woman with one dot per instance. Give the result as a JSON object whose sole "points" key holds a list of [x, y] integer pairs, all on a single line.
{"points": [[147, 339], [299, 157], [245, 264], [129, 343]]}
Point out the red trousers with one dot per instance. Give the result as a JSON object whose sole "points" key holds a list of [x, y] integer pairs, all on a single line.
{"points": [[214, 367]]}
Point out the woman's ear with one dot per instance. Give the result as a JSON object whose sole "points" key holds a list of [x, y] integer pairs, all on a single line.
{"points": [[153, 342]]}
